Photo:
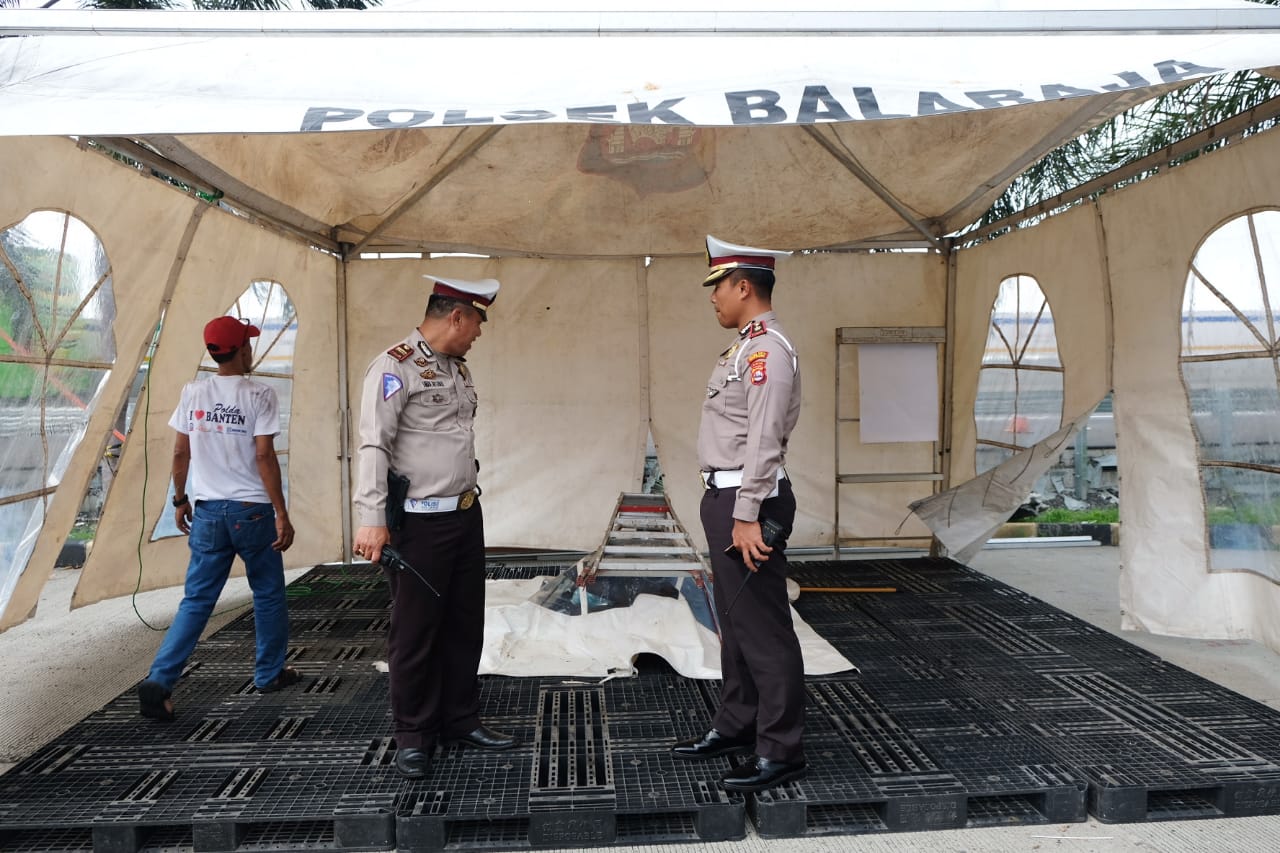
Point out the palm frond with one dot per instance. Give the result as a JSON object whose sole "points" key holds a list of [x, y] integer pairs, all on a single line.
{"points": [[128, 4], [276, 5], [1132, 135]]}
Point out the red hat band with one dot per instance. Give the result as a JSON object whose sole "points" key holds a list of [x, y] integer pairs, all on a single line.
{"points": [[453, 293], [744, 260]]}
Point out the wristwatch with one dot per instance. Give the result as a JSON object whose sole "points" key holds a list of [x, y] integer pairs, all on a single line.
{"points": [[179, 501]]}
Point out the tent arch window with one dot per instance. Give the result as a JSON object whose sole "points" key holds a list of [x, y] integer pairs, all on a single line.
{"points": [[1230, 366], [266, 304], [1019, 399], [57, 349]]}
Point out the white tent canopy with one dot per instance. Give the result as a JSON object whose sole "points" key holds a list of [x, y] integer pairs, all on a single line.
{"points": [[583, 156], [158, 75]]}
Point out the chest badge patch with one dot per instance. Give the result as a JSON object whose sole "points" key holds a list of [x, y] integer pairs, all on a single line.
{"points": [[420, 361], [428, 374], [391, 384], [400, 352]]}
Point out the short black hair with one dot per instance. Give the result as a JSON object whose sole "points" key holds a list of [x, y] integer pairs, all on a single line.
{"points": [[761, 281], [223, 358], [439, 305]]}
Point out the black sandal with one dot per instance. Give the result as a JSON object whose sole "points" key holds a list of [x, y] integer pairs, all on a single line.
{"points": [[152, 697], [285, 678]]}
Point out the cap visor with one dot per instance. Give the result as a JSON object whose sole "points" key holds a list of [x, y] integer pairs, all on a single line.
{"points": [[715, 276]]}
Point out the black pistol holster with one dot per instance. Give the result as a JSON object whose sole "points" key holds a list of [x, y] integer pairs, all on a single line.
{"points": [[397, 492]]}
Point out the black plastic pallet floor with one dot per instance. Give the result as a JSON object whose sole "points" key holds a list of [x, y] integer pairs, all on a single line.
{"points": [[976, 705]]}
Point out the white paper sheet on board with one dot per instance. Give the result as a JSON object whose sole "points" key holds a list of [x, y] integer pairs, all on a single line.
{"points": [[898, 392]]}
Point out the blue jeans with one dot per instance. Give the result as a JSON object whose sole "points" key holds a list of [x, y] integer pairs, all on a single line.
{"points": [[219, 531]]}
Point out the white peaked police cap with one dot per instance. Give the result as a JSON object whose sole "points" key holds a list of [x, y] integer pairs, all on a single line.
{"points": [[479, 294], [723, 258]]}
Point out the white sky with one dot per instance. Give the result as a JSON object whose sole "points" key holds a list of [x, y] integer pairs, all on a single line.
{"points": [[740, 5]]}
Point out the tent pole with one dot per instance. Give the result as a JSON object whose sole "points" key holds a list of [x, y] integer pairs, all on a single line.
{"points": [[344, 404], [427, 186], [948, 378], [845, 157]]}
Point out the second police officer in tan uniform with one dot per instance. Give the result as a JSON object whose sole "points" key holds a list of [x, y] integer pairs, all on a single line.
{"points": [[417, 412], [751, 407]]}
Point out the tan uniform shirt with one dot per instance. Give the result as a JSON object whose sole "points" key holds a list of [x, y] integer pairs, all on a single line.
{"points": [[417, 413], [753, 403]]}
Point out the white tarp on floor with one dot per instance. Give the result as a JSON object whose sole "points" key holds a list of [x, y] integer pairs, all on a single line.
{"points": [[522, 638]]}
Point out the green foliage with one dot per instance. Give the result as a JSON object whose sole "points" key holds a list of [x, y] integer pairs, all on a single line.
{"points": [[1134, 134], [1266, 514], [130, 4], [18, 381], [1101, 515]]}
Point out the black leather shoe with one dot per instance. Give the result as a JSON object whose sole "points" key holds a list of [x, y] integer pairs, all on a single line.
{"points": [[712, 745], [412, 763], [761, 773], [484, 737]]}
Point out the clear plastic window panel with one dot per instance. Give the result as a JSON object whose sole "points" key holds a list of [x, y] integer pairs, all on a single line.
{"points": [[1235, 409], [1022, 330], [1230, 325], [1017, 404], [265, 304], [1225, 306], [1242, 510], [57, 349]]}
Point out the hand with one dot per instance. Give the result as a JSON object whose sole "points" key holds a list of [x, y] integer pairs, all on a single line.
{"points": [[284, 532], [369, 542], [182, 517], [750, 544]]}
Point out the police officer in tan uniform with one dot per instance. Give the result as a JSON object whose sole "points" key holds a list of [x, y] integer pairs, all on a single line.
{"points": [[417, 412], [751, 407]]}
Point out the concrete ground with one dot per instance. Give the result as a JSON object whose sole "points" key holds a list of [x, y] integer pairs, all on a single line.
{"points": [[61, 666]]}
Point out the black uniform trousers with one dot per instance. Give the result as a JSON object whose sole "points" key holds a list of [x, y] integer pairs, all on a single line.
{"points": [[434, 646], [760, 659]]}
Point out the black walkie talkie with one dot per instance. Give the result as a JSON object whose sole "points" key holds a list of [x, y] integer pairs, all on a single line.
{"points": [[770, 532], [392, 561]]}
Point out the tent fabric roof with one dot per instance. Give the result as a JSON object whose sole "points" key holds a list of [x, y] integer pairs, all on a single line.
{"points": [[595, 134], [570, 190]]}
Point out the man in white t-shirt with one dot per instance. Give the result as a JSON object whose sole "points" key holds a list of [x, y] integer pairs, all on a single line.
{"points": [[226, 427]]}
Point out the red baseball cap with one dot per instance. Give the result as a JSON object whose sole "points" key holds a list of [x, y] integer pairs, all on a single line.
{"points": [[224, 334]]}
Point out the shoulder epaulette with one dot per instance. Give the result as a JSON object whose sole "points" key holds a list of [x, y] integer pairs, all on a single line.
{"points": [[400, 352], [756, 329]]}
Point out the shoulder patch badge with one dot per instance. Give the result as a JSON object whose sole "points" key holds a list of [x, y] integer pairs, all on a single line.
{"points": [[400, 352], [756, 367], [390, 385]]}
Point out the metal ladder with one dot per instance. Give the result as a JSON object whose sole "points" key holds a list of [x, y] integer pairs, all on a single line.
{"points": [[644, 539]]}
